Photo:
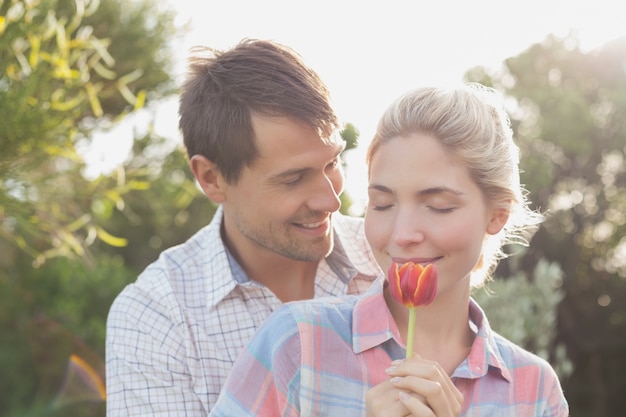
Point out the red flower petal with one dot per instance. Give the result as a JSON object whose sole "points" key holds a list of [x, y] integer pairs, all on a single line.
{"points": [[413, 284]]}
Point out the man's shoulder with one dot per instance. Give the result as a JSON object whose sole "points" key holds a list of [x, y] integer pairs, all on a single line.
{"points": [[201, 247], [184, 268], [183, 257]]}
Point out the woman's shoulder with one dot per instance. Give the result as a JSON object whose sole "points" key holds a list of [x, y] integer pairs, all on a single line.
{"points": [[512, 356], [517, 357]]}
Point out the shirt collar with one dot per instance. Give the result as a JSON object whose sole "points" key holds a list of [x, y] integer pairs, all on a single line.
{"points": [[373, 325], [372, 322], [484, 353], [218, 264]]}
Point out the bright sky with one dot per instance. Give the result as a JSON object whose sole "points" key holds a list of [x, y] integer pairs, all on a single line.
{"points": [[369, 52]]}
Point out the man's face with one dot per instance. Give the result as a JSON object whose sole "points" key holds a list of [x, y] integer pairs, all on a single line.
{"points": [[282, 203]]}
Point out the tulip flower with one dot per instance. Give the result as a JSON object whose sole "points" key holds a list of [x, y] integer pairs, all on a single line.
{"points": [[413, 285]]}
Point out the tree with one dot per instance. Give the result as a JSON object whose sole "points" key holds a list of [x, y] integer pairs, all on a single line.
{"points": [[64, 73], [164, 215], [67, 68], [569, 115], [350, 134]]}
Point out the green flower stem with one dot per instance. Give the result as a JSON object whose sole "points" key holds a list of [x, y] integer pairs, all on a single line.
{"points": [[410, 333]]}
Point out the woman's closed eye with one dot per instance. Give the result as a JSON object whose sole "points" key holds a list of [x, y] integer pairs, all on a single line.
{"points": [[381, 207], [441, 210]]}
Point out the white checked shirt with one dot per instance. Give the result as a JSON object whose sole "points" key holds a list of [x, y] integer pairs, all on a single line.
{"points": [[173, 335]]}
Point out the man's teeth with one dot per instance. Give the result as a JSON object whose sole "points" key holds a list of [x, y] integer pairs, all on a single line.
{"points": [[312, 225]]}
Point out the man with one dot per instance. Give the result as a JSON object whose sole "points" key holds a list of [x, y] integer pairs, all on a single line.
{"points": [[262, 141]]}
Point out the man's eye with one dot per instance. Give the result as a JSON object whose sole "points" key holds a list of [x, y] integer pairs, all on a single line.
{"points": [[293, 182]]}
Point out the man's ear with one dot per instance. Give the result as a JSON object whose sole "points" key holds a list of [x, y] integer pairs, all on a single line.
{"points": [[209, 178], [499, 217]]}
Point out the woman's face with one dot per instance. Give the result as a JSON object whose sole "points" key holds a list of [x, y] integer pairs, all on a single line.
{"points": [[424, 207]]}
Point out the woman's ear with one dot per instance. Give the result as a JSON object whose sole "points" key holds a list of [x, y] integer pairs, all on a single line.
{"points": [[499, 217], [208, 177]]}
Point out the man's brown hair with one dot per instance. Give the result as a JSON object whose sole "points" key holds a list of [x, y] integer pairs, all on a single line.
{"points": [[224, 88]]}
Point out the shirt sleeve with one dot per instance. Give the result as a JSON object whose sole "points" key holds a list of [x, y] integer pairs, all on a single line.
{"points": [[146, 370], [557, 404], [265, 379]]}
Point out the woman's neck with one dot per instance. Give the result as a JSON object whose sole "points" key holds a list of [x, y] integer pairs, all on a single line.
{"points": [[442, 330]]}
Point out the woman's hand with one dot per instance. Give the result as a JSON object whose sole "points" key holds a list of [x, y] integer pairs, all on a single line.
{"points": [[417, 387]]}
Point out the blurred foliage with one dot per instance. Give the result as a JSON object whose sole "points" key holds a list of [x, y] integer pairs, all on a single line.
{"points": [[64, 73], [67, 69], [163, 215], [57, 312], [350, 134], [523, 309], [568, 111], [40, 315]]}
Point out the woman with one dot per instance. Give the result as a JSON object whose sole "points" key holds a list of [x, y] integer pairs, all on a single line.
{"points": [[443, 189]]}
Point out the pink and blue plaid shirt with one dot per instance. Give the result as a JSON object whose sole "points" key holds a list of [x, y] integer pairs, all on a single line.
{"points": [[320, 358]]}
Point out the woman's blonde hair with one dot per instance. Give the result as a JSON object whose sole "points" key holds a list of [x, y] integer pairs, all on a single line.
{"points": [[470, 122]]}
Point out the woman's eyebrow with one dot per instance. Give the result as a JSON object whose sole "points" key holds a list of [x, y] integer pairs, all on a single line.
{"points": [[381, 188], [439, 190], [424, 192]]}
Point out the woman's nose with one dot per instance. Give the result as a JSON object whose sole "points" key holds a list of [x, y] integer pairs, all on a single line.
{"points": [[408, 228]]}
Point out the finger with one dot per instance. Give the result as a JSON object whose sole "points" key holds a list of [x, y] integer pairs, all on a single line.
{"points": [[415, 406], [426, 369], [383, 401], [432, 394], [431, 386]]}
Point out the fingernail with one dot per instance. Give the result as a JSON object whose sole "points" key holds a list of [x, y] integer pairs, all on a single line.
{"points": [[396, 380], [397, 362], [404, 396], [391, 369]]}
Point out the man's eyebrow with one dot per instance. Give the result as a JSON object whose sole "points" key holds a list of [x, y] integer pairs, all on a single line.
{"points": [[281, 176]]}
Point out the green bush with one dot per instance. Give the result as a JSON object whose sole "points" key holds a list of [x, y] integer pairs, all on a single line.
{"points": [[524, 310], [46, 316]]}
